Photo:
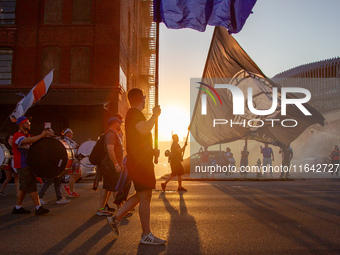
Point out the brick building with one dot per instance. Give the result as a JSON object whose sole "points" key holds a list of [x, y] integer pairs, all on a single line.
{"points": [[98, 49]]}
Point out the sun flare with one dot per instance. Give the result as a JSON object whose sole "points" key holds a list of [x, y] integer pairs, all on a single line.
{"points": [[173, 120]]}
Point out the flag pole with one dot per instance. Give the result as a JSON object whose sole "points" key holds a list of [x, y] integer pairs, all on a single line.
{"points": [[156, 89]]}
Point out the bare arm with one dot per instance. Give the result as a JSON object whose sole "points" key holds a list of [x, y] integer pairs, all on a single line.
{"points": [[112, 155], [33, 139], [145, 127]]}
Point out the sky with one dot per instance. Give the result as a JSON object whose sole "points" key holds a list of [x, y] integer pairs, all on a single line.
{"points": [[279, 35]]}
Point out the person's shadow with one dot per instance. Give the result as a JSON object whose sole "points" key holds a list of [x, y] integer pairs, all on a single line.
{"points": [[183, 234]]}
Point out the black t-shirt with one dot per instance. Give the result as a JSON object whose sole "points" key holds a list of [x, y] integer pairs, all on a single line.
{"points": [[138, 147], [112, 138], [176, 152]]}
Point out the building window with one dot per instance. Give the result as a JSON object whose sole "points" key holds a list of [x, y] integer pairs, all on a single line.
{"points": [[6, 57], [7, 12], [53, 12], [80, 65], [82, 11], [51, 60]]}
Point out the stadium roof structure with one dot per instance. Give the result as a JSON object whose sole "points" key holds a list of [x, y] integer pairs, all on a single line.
{"points": [[293, 72]]}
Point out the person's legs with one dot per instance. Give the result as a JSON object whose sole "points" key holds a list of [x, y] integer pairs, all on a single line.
{"points": [[96, 180], [72, 181], [104, 194], [166, 182], [168, 179], [179, 179], [8, 179], [16, 182], [35, 198], [57, 185], [20, 197], [144, 210], [128, 206], [45, 186]]}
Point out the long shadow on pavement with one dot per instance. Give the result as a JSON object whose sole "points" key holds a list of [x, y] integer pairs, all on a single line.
{"points": [[86, 246], [181, 223], [273, 219]]}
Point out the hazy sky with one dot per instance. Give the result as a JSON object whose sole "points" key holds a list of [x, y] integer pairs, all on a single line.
{"points": [[279, 35]]}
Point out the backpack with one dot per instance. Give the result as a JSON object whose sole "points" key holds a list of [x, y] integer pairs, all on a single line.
{"points": [[98, 152]]}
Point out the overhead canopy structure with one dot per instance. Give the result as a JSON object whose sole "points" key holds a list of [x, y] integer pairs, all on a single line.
{"points": [[228, 63]]}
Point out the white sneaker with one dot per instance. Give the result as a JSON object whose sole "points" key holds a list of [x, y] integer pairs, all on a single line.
{"points": [[62, 201], [151, 239], [113, 224], [42, 201]]}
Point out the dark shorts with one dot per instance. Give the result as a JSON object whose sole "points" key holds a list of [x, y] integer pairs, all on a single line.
{"points": [[27, 180], [143, 178], [110, 182], [176, 168]]}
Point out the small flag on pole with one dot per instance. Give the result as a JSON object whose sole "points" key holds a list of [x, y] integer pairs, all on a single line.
{"points": [[176, 14], [34, 96]]}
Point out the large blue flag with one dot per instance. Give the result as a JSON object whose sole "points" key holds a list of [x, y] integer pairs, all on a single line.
{"points": [[197, 14]]}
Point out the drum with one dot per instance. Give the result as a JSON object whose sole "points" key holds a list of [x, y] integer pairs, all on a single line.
{"points": [[5, 156], [50, 157], [86, 148]]}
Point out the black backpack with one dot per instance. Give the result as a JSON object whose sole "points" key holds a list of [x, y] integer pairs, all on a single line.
{"points": [[98, 152]]}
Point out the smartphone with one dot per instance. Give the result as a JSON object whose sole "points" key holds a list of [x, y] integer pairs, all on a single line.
{"points": [[47, 125]]}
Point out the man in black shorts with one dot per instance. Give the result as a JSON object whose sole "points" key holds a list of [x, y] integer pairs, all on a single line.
{"points": [[21, 144], [110, 167], [140, 166], [176, 164]]}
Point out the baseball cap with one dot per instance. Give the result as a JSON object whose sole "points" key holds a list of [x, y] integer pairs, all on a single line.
{"points": [[22, 119], [114, 120]]}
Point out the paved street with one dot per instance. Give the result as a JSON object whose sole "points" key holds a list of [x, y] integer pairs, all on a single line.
{"points": [[221, 217]]}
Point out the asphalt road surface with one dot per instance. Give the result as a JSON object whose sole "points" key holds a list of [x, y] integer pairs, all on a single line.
{"points": [[221, 217]]}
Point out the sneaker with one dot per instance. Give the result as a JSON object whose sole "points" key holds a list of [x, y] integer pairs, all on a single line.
{"points": [[21, 210], [182, 189], [128, 215], [41, 211], [163, 186], [151, 239], [42, 201], [113, 224], [103, 212], [110, 209], [67, 189], [62, 201], [74, 194]]}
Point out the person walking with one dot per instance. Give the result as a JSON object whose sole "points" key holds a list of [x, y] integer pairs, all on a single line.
{"points": [[57, 188], [335, 159], [111, 165], [9, 170], [244, 161], [27, 180], [176, 163], [75, 171], [268, 154], [287, 155], [140, 166]]}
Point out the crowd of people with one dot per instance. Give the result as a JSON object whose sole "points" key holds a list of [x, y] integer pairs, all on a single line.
{"points": [[116, 171]]}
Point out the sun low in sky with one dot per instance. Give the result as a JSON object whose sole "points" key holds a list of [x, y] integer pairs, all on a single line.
{"points": [[174, 119]]}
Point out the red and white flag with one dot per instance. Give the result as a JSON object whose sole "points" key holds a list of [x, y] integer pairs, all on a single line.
{"points": [[34, 96]]}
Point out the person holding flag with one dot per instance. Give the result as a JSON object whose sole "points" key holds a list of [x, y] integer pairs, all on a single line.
{"points": [[21, 143], [140, 154]]}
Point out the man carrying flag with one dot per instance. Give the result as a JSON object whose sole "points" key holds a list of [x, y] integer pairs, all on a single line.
{"points": [[21, 144]]}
